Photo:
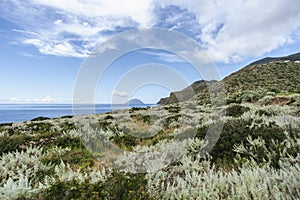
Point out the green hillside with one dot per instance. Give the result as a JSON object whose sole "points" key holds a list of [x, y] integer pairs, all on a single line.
{"points": [[293, 57], [276, 76], [187, 93]]}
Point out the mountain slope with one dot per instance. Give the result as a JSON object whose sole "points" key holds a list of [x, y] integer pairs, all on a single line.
{"points": [[272, 74], [198, 87], [276, 76], [293, 57]]}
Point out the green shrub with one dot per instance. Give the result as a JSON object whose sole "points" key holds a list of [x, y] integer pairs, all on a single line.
{"points": [[117, 186], [236, 110], [275, 89], [68, 141], [133, 109], [172, 119], [126, 141], [105, 124], [108, 117], [77, 156], [18, 141], [143, 118], [251, 95], [5, 126], [39, 127], [146, 119], [12, 143], [173, 109], [235, 132], [264, 112], [67, 126]]}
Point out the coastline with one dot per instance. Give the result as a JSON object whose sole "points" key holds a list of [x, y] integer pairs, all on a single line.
{"points": [[10, 113]]}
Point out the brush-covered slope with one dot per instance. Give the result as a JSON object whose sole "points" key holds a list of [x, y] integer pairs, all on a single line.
{"points": [[155, 153], [198, 87], [293, 57], [278, 76], [275, 76]]}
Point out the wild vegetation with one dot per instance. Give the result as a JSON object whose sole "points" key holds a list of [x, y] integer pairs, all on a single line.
{"points": [[258, 150], [248, 148], [274, 79]]}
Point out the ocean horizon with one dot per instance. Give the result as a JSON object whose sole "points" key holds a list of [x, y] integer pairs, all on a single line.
{"points": [[25, 112]]}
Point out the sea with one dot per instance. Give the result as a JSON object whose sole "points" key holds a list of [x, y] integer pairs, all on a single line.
{"points": [[24, 112]]}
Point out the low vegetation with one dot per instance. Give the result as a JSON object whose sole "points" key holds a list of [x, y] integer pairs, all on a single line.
{"points": [[247, 149], [72, 158]]}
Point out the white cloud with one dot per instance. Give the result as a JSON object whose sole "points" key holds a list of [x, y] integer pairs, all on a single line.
{"points": [[163, 56], [230, 30], [25, 32], [105, 47], [35, 42], [119, 93], [26, 54], [13, 99], [52, 48], [60, 25], [138, 10], [44, 99], [37, 99], [57, 22]]}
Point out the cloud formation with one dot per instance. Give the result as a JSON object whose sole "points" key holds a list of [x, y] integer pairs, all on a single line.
{"points": [[163, 56], [229, 30], [44, 99], [40, 99], [119, 93]]}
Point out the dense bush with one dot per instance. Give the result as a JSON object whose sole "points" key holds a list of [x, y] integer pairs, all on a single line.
{"points": [[194, 178], [250, 95], [235, 132], [125, 141], [236, 110], [118, 186], [68, 141], [258, 150], [12, 143]]}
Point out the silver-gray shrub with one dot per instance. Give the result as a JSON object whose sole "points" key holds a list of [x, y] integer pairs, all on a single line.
{"points": [[194, 178]]}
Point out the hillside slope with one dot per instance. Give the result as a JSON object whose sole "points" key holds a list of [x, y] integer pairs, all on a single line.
{"points": [[293, 57], [198, 87], [276, 76]]}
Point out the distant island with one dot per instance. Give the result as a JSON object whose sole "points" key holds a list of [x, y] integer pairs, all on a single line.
{"points": [[135, 102]]}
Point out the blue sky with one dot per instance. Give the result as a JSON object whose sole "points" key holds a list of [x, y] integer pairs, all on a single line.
{"points": [[43, 44]]}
